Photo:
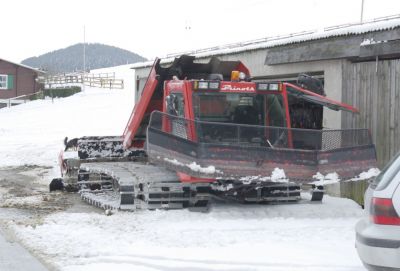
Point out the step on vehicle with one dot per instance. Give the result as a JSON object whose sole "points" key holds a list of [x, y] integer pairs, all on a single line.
{"points": [[203, 130], [378, 233]]}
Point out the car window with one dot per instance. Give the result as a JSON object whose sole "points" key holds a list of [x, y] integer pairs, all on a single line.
{"points": [[387, 174]]}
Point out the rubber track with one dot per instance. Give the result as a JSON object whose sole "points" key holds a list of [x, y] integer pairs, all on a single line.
{"points": [[128, 177]]}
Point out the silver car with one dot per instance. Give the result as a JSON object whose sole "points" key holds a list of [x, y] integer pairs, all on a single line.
{"points": [[378, 233]]}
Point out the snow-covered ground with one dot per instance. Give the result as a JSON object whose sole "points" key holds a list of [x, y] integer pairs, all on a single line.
{"points": [[230, 237], [33, 133]]}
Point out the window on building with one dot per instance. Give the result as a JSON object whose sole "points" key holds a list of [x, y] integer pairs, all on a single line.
{"points": [[3, 81]]}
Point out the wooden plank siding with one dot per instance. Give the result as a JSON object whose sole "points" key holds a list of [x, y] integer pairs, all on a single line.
{"points": [[374, 88], [23, 80], [354, 190]]}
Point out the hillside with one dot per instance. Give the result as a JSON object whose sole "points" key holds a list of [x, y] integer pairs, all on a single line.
{"points": [[70, 59]]}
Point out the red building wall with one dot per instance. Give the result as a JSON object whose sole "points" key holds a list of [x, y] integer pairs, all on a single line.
{"points": [[23, 80]]}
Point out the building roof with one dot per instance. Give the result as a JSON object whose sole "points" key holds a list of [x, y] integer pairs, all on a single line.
{"points": [[22, 65], [379, 24]]}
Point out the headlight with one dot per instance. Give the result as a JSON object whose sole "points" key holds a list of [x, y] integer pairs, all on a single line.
{"points": [[262, 86], [203, 85], [274, 87], [206, 85], [269, 86], [213, 85]]}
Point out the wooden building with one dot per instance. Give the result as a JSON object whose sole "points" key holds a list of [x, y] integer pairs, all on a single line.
{"points": [[358, 63], [17, 79]]}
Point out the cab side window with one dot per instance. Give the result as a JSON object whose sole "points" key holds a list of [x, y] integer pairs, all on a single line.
{"points": [[175, 105]]}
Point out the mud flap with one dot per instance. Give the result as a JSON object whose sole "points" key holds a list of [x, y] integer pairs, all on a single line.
{"points": [[56, 184], [317, 193]]}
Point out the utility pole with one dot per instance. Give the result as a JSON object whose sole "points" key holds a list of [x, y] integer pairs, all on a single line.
{"points": [[362, 11], [84, 57], [188, 36]]}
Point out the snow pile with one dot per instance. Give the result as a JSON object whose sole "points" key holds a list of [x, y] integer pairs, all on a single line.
{"points": [[371, 173], [207, 170], [250, 179], [366, 42], [278, 175], [334, 177], [371, 41], [194, 166], [173, 161], [222, 187], [326, 179]]}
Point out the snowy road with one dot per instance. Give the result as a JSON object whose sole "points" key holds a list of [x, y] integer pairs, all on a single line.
{"points": [[14, 257], [70, 235], [231, 237]]}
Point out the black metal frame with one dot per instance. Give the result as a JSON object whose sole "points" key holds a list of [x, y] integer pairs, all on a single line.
{"points": [[347, 152]]}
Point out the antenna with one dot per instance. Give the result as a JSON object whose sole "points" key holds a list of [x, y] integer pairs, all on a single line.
{"points": [[84, 57], [362, 11]]}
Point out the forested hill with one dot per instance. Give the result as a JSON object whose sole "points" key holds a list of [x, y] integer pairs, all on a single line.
{"points": [[70, 59]]}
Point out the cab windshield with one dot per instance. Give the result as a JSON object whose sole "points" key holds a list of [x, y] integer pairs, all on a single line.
{"points": [[222, 113], [240, 108]]}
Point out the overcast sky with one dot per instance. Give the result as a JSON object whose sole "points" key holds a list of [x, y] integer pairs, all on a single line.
{"points": [[158, 27]]}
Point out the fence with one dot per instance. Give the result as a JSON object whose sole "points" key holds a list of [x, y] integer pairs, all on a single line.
{"points": [[19, 100], [62, 80], [97, 80], [101, 80], [374, 88]]}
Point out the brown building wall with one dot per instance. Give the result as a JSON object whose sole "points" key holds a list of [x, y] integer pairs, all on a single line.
{"points": [[24, 80]]}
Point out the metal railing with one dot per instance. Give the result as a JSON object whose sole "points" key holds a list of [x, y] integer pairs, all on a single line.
{"points": [[18, 100], [101, 80], [253, 135]]}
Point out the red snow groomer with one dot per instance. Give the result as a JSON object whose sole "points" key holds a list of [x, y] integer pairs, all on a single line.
{"points": [[207, 130]]}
